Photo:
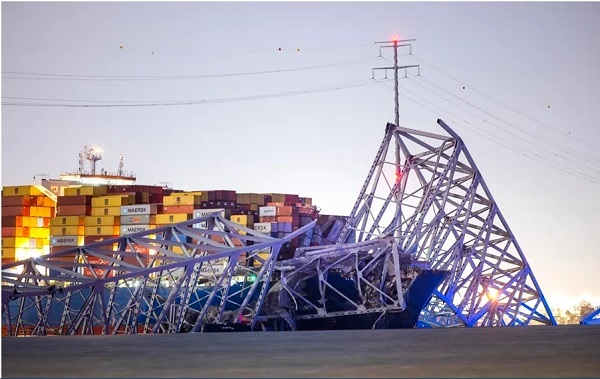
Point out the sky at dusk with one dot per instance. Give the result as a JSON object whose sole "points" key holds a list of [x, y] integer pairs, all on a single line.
{"points": [[282, 97]]}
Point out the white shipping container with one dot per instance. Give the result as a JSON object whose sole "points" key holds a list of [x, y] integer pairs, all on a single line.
{"points": [[267, 211], [138, 209], [205, 212], [129, 229], [133, 219], [64, 241], [263, 227], [200, 225], [214, 269]]}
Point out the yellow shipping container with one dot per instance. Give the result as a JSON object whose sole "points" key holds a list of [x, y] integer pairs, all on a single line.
{"points": [[107, 211], [264, 256], [182, 200], [21, 191], [20, 254], [67, 220], [40, 212], [172, 218], [102, 230], [40, 222], [113, 201], [177, 250], [15, 242], [8, 252], [86, 190], [69, 230], [101, 220], [39, 233]]}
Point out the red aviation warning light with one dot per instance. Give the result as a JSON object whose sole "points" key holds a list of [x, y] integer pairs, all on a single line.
{"points": [[398, 174], [395, 39]]}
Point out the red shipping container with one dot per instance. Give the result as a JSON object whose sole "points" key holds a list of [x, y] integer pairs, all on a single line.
{"points": [[16, 201], [232, 196], [267, 219], [11, 231], [74, 210], [188, 209], [15, 211], [74, 200], [12, 221], [8, 260], [211, 196], [100, 272], [291, 199]]}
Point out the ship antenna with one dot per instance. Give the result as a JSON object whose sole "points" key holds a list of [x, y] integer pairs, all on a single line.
{"points": [[120, 170]]}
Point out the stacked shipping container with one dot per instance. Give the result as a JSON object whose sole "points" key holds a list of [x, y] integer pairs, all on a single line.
{"points": [[26, 213], [91, 214]]}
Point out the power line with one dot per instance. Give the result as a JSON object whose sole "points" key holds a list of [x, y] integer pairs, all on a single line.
{"points": [[535, 136], [76, 77], [496, 139], [138, 103], [507, 106]]}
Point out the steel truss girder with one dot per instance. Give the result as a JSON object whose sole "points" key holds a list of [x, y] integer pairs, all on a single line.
{"points": [[151, 281], [434, 211], [369, 264], [441, 211]]}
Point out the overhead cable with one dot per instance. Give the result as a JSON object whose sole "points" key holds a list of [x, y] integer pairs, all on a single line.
{"points": [[139, 103], [77, 77], [507, 106], [496, 139]]}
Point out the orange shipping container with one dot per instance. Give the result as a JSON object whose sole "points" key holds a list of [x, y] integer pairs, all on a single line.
{"points": [[40, 212], [284, 211], [188, 209], [47, 202]]}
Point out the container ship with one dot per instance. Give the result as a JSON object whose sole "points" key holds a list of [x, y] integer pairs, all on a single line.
{"points": [[85, 207]]}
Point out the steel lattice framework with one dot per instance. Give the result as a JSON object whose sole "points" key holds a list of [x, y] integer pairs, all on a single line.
{"points": [[198, 272], [433, 212], [440, 211]]}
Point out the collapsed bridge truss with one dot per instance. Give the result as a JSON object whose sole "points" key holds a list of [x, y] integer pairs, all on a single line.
{"points": [[431, 212]]}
